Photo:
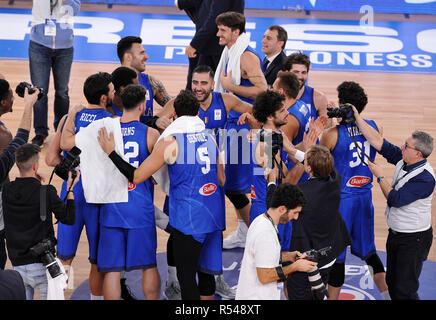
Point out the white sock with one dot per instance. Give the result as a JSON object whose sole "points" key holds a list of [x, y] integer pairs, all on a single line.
{"points": [[242, 227], [385, 295], [172, 274], [96, 297]]}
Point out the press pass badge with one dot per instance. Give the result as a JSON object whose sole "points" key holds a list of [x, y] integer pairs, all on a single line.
{"points": [[50, 27], [280, 285]]}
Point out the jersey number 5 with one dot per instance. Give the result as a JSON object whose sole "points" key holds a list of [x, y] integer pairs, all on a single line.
{"points": [[204, 156]]}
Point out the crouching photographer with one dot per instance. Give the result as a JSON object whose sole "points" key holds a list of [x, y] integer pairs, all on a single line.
{"points": [[27, 208], [320, 232]]}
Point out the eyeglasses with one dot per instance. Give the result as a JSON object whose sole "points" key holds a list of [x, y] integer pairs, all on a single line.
{"points": [[407, 146]]}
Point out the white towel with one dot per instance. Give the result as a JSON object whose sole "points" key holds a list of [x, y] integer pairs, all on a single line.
{"points": [[102, 181], [184, 124], [232, 59]]}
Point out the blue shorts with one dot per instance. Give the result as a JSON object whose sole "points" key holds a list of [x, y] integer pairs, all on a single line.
{"points": [[238, 168], [122, 249], [358, 213], [257, 208], [68, 237], [211, 257]]}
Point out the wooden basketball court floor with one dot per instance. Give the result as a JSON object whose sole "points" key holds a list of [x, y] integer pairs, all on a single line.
{"points": [[400, 103]]}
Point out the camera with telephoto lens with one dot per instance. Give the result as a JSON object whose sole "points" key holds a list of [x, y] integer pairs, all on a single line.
{"points": [[70, 161], [43, 251], [273, 140], [344, 111], [30, 89], [319, 290]]}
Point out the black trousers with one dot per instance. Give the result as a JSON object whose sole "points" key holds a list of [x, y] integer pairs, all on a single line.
{"points": [[298, 285], [406, 253], [186, 253]]}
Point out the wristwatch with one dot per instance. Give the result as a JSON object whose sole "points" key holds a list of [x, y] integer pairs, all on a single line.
{"points": [[380, 179]]}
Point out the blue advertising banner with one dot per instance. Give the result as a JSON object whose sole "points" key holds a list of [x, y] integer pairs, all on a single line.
{"points": [[385, 6], [363, 45]]}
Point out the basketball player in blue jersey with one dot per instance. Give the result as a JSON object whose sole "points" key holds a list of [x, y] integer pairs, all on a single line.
{"points": [[121, 78], [299, 64], [132, 54], [232, 35], [195, 172], [298, 121], [351, 151], [214, 108], [99, 91], [125, 225]]}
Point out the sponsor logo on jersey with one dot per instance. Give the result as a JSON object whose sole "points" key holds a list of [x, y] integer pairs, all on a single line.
{"points": [[207, 189], [131, 186], [253, 194], [358, 181]]}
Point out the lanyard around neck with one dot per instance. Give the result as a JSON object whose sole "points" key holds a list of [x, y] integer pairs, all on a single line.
{"points": [[278, 235]]}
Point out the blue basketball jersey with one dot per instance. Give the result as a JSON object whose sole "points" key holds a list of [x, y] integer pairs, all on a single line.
{"points": [[139, 210], [307, 98], [195, 205], [259, 185], [148, 113], [301, 112], [355, 175], [215, 116], [233, 115], [117, 111], [87, 116]]}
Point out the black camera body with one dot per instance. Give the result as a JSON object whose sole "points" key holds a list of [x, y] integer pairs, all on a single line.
{"points": [[19, 90], [315, 255], [70, 161], [344, 111], [276, 140], [43, 251]]}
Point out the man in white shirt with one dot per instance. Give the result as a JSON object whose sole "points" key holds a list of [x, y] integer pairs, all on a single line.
{"points": [[261, 272]]}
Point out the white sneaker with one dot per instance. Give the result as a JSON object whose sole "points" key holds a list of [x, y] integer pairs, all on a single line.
{"points": [[223, 289], [234, 240], [172, 291]]}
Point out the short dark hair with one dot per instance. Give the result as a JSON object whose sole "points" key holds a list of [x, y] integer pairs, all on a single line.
{"points": [[266, 104], [133, 95], [125, 44], [351, 92], [95, 86], [4, 89], [123, 76], [186, 104], [320, 160], [289, 83], [204, 69], [232, 20], [296, 58], [282, 34], [26, 155], [288, 195]]}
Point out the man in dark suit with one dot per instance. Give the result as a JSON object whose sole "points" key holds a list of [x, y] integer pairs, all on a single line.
{"points": [[204, 48], [320, 224], [273, 43]]}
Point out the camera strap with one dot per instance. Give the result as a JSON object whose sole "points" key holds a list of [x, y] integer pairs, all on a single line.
{"points": [[278, 235], [360, 151], [43, 207]]}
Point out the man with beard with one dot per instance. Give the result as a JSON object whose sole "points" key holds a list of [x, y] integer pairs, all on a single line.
{"points": [[99, 92], [214, 108], [132, 54], [299, 64]]}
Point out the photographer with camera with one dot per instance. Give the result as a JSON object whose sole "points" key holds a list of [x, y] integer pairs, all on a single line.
{"points": [[262, 274], [352, 152], [9, 145], [27, 208], [320, 228]]}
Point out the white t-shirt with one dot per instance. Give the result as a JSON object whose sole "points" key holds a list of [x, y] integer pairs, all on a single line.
{"points": [[262, 250]]}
